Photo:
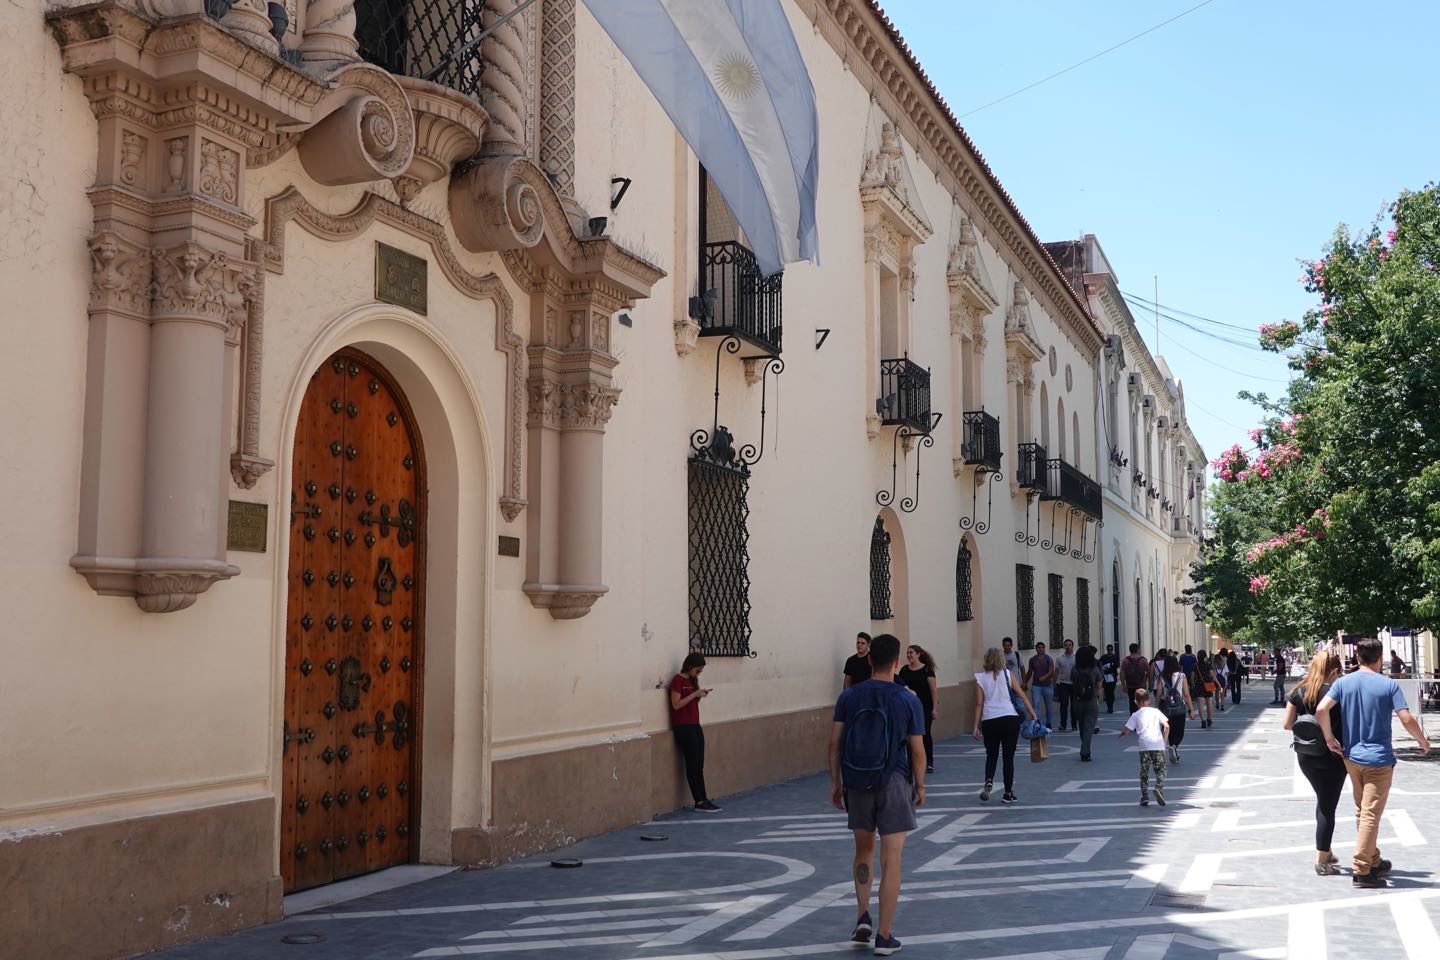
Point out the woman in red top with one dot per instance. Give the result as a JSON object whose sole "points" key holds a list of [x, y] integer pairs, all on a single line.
{"points": [[685, 696]]}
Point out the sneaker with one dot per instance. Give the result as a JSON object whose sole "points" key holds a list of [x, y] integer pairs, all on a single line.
{"points": [[1085, 756], [929, 768], [1144, 799], [1327, 869], [863, 928], [1160, 796], [1171, 751], [705, 806], [884, 946], [1382, 866], [1368, 881], [985, 793], [1008, 798]]}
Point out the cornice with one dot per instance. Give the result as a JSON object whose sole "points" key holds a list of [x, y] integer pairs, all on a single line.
{"points": [[871, 47]]}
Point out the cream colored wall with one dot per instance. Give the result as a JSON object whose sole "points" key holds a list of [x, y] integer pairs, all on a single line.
{"points": [[111, 709]]}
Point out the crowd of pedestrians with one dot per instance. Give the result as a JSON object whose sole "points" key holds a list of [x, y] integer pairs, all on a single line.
{"points": [[881, 744]]}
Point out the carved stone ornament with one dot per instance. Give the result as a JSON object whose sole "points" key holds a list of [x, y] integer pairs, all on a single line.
{"points": [[687, 334], [564, 604], [586, 406], [872, 426], [894, 223], [1020, 328], [495, 204], [449, 127], [367, 131], [971, 299]]}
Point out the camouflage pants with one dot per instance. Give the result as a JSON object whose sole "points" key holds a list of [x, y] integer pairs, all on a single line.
{"points": [[1152, 760]]}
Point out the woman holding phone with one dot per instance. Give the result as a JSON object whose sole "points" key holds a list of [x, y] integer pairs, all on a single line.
{"points": [[685, 696]]}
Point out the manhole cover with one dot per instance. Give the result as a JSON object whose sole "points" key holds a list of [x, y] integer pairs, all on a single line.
{"points": [[654, 837], [567, 863], [1185, 901], [296, 938]]}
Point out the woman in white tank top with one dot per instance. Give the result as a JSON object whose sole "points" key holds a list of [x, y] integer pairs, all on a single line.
{"points": [[997, 721]]}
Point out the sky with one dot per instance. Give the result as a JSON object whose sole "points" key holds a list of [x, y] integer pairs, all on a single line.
{"points": [[1211, 155]]}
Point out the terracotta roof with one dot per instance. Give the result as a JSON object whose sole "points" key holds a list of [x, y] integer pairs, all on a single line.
{"points": [[1009, 201]]}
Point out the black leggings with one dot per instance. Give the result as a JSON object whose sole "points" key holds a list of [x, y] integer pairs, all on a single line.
{"points": [[929, 738], [1177, 728], [998, 732], [1327, 776], [691, 741]]}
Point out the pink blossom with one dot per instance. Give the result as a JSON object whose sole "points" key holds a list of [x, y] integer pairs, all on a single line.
{"points": [[1259, 583]]}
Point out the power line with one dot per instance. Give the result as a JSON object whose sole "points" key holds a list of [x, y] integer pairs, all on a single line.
{"points": [[1137, 299], [1248, 344], [1087, 59]]}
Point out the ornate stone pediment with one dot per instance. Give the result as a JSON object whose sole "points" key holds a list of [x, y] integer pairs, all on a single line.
{"points": [[894, 223], [970, 296], [1020, 328]]}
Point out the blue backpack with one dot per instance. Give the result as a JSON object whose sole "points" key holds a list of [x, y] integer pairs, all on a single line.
{"points": [[867, 753]]}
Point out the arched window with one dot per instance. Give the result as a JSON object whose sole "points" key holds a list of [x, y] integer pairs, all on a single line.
{"points": [[1115, 603], [1060, 427], [963, 610], [1079, 460], [1045, 417], [880, 572]]}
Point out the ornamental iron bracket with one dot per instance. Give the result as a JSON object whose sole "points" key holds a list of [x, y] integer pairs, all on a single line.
{"points": [[904, 432], [1025, 536], [986, 478], [718, 444]]}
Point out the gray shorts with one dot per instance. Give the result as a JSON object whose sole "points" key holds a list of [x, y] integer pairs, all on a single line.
{"points": [[891, 809]]}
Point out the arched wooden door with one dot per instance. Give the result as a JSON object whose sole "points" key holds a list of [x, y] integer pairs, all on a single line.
{"points": [[354, 640]]}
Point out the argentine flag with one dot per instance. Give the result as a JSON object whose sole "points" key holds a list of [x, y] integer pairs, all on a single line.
{"points": [[730, 76]]}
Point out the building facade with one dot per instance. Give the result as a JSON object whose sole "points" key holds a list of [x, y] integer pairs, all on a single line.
{"points": [[394, 419], [1153, 473]]}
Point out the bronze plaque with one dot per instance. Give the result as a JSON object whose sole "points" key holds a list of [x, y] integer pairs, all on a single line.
{"points": [[400, 278], [248, 523], [509, 546]]}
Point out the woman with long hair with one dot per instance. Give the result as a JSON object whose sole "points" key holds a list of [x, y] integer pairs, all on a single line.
{"points": [[1204, 689], [685, 696], [997, 693], [1324, 770], [1086, 681], [919, 675], [1172, 695]]}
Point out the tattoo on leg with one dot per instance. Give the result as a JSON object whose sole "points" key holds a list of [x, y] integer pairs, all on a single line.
{"points": [[862, 873]]}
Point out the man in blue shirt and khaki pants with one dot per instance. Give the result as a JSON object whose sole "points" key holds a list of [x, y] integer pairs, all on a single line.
{"points": [[1367, 700]]}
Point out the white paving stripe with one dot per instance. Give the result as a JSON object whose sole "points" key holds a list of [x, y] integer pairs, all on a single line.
{"points": [[1416, 929], [563, 930], [1082, 849], [1206, 867], [613, 914], [1307, 933], [1200, 922], [719, 918]]}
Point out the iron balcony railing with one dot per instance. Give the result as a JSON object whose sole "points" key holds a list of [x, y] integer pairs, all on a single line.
{"points": [[981, 446], [735, 299], [1065, 482], [1031, 473], [904, 394]]}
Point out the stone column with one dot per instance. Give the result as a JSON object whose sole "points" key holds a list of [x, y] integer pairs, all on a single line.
{"points": [[329, 34], [505, 83]]}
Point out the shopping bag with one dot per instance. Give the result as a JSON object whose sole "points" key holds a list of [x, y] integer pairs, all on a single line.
{"points": [[1039, 749]]}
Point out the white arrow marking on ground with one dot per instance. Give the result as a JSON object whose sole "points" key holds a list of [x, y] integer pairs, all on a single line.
{"points": [[959, 825], [1307, 933], [1206, 867], [1416, 929]]}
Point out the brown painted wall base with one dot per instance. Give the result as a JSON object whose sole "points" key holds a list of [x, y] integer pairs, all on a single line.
{"points": [[118, 889], [547, 800]]}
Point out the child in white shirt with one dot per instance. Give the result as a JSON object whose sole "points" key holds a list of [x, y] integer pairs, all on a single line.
{"points": [[1153, 729]]}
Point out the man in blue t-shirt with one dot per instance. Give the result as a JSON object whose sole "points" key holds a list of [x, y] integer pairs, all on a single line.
{"points": [[1367, 699], [1187, 665], [890, 809]]}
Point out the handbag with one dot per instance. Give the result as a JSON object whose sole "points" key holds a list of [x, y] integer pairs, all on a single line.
{"points": [[1015, 699]]}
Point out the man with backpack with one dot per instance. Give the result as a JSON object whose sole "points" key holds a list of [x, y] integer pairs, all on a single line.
{"points": [[877, 775], [1135, 671]]}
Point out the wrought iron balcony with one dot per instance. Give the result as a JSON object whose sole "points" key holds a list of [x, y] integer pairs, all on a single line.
{"points": [[1031, 475], [735, 299], [428, 41], [981, 446], [1065, 482], [904, 394]]}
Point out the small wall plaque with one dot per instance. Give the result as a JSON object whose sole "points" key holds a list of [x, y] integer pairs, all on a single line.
{"points": [[247, 527], [400, 278], [509, 546]]}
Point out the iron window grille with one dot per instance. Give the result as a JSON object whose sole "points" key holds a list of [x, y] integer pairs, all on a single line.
{"points": [[963, 611], [1057, 610], [981, 446], [880, 572], [1082, 611], [1025, 605], [1032, 466], [427, 40], [904, 394], [719, 557]]}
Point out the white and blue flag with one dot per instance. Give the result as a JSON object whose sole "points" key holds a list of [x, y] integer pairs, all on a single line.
{"points": [[730, 76]]}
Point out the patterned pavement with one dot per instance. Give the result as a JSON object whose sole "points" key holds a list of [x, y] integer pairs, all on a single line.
{"points": [[1075, 871]]}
